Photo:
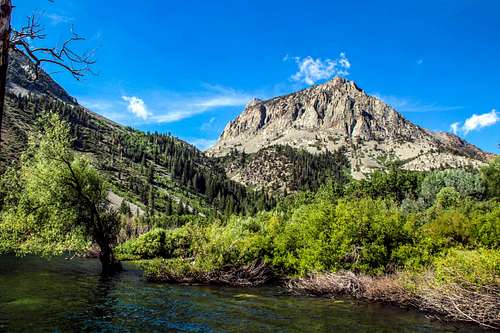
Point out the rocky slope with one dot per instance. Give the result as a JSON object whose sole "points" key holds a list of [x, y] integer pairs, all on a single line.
{"points": [[284, 169], [338, 114], [21, 80]]}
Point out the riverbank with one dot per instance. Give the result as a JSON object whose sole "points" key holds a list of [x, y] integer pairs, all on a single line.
{"points": [[456, 302], [451, 301]]}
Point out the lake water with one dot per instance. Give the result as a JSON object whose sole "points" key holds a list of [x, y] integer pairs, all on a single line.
{"points": [[58, 295]]}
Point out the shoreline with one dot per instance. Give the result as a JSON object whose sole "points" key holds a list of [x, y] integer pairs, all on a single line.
{"points": [[450, 303]]}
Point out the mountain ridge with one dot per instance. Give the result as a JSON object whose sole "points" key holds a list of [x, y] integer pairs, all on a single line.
{"points": [[339, 114]]}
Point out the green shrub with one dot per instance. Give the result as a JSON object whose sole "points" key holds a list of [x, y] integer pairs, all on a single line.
{"points": [[300, 243], [159, 243], [464, 182], [470, 224], [149, 245], [319, 232], [396, 184], [485, 223], [447, 197], [240, 241], [480, 267], [365, 234], [169, 269], [358, 235], [490, 175]]}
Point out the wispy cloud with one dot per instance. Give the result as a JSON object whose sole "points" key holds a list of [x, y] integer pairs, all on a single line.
{"points": [[137, 106], [312, 70], [56, 19], [165, 106], [98, 105], [209, 126], [455, 127], [202, 143], [404, 104], [179, 107], [476, 122], [420, 61]]}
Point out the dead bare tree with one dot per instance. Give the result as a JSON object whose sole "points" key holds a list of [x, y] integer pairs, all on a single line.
{"points": [[21, 41]]}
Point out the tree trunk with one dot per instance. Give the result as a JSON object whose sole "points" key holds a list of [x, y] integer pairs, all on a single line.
{"points": [[108, 261], [5, 15]]}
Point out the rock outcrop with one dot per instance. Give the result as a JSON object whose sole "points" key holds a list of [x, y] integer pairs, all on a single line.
{"points": [[339, 114]]}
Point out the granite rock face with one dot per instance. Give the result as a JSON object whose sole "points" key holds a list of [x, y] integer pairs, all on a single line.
{"points": [[339, 114]]}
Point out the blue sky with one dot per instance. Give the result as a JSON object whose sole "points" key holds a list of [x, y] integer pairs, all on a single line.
{"points": [[188, 67]]}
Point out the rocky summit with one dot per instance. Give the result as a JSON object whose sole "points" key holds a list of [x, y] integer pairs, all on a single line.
{"points": [[338, 114]]}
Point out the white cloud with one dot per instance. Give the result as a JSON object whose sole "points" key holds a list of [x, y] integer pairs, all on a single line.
{"points": [[476, 122], [137, 106], [312, 70], [420, 61], [455, 127], [404, 104], [167, 106]]}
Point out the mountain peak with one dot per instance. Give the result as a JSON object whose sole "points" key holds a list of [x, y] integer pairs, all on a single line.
{"points": [[337, 80], [338, 114], [253, 102]]}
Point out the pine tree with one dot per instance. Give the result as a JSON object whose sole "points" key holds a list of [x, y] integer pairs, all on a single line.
{"points": [[151, 201], [168, 207]]}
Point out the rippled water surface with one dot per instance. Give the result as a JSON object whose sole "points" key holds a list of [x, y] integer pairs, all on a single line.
{"points": [[58, 295]]}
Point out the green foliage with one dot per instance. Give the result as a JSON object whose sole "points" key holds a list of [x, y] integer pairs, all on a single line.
{"points": [[471, 224], [309, 232], [490, 174], [55, 200], [447, 197], [396, 184], [159, 243], [325, 232], [479, 267], [300, 242], [149, 245], [464, 182]]}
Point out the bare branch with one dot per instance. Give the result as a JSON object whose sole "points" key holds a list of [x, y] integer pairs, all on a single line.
{"points": [[64, 56]]}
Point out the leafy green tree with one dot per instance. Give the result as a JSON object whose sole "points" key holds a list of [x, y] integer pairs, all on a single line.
{"points": [[59, 202], [397, 184], [490, 175], [466, 183], [447, 197]]}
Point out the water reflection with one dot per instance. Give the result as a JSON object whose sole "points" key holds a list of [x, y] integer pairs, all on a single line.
{"points": [[71, 296]]}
